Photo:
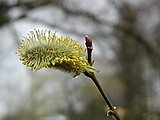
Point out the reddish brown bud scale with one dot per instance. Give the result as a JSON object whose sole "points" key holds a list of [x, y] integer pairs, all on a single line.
{"points": [[88, 42]]}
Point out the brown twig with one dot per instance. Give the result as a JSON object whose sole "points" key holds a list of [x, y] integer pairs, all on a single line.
{"points": [[112, 109]]}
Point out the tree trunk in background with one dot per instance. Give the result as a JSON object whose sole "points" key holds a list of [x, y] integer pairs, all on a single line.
{"points": [[131, 54], [130, 57]]}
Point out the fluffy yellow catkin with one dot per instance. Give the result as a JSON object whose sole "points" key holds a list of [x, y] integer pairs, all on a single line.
{"points": [[44, 49]]}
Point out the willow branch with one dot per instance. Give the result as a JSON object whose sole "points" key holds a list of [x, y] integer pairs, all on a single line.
{"points": [[112, 109]]}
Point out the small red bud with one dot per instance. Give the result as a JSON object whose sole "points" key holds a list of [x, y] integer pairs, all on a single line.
{"points": [[88, 42]]}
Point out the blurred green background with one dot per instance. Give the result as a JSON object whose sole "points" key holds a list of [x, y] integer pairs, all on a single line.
{"points": [[126, 40]]}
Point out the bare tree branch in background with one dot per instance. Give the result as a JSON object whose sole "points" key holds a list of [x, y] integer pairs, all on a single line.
{"points": [[130, 60], [133, 49]]}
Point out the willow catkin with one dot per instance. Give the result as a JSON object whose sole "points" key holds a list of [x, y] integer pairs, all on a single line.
{"points": [[44, 49]]}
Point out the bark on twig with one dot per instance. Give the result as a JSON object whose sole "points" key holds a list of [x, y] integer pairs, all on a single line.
{"points": [[112, 109]]}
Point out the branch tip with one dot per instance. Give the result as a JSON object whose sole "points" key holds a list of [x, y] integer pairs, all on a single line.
{"points": [[88, 42]]}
